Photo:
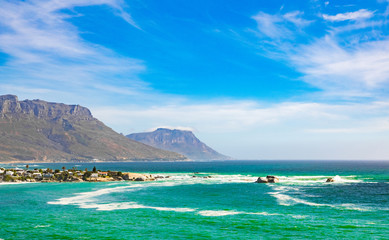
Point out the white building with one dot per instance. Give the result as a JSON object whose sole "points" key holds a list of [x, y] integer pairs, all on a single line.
{"points": [[94, 175], [37, 175]]}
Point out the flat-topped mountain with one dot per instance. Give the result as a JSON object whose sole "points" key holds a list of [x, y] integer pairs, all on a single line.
{"points": [[39, 131], [184, 142]]}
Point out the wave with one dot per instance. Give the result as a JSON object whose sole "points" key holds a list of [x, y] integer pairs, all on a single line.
{"points": [[85, 198], [131, 205], [279, 191], [15, 183], [238, 178], [218, 213], [90, 200], [42, 226], [210, 178], [286, 200], [318, 179]]}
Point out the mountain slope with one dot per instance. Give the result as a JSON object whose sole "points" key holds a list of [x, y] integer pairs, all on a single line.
{"points": [[184, 142], [41, 131]]}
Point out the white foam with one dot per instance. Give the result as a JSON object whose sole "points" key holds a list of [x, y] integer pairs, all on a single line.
{"points": [[286, 200], [218, 213], [14, 183], [131, 205], [89, 200], [281, 190], [213, 213], [42, 226], [350, 206], [299, 216], [316, 179]]}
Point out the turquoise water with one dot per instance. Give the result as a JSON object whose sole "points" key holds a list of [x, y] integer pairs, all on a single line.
{"points": [[226, 206]]}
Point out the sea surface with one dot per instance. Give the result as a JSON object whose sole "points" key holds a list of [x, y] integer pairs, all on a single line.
{"points": [[191, 205]]}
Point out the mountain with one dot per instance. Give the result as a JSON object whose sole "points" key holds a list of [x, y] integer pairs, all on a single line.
{"points": [[184, 142], [39, 131]]}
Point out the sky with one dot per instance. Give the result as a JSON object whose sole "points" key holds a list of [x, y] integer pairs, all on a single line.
{"points": [[253, 79]]}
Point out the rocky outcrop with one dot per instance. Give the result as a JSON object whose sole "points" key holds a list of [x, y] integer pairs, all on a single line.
{"points": [[11, 107], [137, 177], [334, 179], [39, 131], [268, 179], [183, 142]]}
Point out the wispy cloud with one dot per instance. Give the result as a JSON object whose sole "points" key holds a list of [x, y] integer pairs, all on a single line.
{"points": [[280, 26], [243, 115], [343, 62], [287, 130], [358, 15], [37, 37]]}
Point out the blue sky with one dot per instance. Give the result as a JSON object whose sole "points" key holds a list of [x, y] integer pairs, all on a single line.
{"points": [[253, 79]]}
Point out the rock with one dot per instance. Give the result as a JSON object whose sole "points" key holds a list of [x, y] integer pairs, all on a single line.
{"points": [[141, 179], [272, 179], [137, 177], [262, 180], [334, 179], [268, 179]]}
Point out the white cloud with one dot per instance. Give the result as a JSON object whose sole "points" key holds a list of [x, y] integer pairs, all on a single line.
{"points": [[358, 15], [275, 26], [171, 128], [330, 66], [296, 17], [37, 37], [269, 25], [348, 60], [293, 130], [241, 115]]}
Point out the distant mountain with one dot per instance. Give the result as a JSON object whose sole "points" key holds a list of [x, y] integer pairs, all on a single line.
{"points": [[39, 131], [184, 142]]}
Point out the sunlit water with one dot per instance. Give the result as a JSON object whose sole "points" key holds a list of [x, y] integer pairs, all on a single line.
{"points": [[229, 205]]}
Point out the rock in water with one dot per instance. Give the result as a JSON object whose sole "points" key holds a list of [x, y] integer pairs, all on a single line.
{"points": [[272, 179], [262, 180], [334, 179], [268, 179]]}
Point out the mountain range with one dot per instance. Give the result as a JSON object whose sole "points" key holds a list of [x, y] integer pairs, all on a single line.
{"points": [[40, 131], [180, 141]]}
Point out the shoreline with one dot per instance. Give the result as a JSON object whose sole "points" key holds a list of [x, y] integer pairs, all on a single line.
{"points": [[26, 175], [83, 162]]}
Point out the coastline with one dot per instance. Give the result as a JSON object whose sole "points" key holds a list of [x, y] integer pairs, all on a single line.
{"points": [[26, 175], [97, 161]]}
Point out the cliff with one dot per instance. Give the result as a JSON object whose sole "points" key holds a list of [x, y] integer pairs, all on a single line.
{"points": [[39, 131]]}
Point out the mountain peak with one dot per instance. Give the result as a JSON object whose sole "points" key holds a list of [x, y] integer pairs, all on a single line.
{"points": [[8, 97], [36, 130], [168, 129], [11, 107], [180, 141]]}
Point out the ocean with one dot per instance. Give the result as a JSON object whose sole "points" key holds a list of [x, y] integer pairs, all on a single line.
{"points": [[205, 200]]}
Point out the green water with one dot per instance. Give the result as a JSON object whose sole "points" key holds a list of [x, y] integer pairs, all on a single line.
{"points": [[227, 206]]}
